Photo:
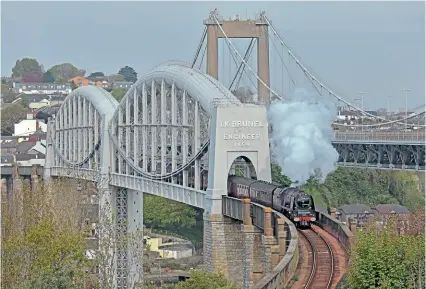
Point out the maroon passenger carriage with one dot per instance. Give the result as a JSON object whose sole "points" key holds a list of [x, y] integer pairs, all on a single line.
{"points": [[294, 203]]}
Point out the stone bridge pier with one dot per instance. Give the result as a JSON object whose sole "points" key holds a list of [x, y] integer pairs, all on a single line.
{"points": [[234, 246]]}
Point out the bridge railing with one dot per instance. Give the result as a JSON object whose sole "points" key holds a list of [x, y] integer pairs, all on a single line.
{"points": [[417, 135], [336, 228], [279, 276]]}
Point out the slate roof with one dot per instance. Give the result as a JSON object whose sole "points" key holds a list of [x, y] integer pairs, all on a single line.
{"points": [[24, 157], [354, 209], [36, 97], [391, 208], [24, 147], [8, 145]]}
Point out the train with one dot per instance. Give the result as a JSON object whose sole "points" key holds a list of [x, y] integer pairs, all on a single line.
{"points": [[293, 202]]}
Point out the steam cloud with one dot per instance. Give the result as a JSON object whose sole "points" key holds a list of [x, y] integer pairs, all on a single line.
{"points": [[301, 136]]}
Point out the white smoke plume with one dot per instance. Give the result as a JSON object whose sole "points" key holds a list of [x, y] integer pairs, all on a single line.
{"points": [[301, 136]]}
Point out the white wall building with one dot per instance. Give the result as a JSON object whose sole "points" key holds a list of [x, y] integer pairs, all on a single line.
{"points": [[29, 126]]}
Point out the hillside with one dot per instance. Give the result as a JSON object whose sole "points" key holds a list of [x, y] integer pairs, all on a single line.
{"points": [[370, 187]]}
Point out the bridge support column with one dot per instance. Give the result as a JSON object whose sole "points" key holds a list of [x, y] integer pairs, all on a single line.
{"points": [[253, 267], [135, 230], [282, 238], [268, 241], [224, 247], [49, 161]]}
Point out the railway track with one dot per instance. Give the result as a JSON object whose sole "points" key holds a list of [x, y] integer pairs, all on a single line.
{"points": [[321, 261]]}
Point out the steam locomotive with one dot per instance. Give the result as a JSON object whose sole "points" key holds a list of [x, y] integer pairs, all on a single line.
{"points": [[294, 203]]}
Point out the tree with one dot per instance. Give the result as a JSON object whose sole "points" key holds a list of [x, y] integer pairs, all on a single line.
{"points": [[96, 74], [382, 257], [118, 93], [278, 177], [115, 77], [25, 65], [58, 278], [129, 74], [63, 72], [160, 212], [11, 114], [43, 236], [48, 77], [200, 280]]}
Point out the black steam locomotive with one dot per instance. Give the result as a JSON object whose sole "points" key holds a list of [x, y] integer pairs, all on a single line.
{"points": [[294, 203]]}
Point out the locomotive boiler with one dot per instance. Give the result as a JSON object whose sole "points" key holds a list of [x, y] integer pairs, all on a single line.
{"points": [[294, 203]]}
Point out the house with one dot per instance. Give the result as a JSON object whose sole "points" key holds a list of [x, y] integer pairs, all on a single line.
{"points": [[169, 249], [56, 99], [7, 160], [79, 81], [29, 126], [101, 83], [41, 88], [38, 149], [48, 111], [361, 213], [348, 115], [29, 160], [37, 101], [8, 144], [24, 147], [384, 212], [122, 84]]}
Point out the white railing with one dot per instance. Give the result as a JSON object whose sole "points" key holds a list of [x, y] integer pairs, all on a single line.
{"points": [[418, 135]]}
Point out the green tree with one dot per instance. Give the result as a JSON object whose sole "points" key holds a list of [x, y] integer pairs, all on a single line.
{"points": [[58, 278], [96, 74], [129, 74], [10, 115], [385, 259], [277, 175], [204, 280], [63, 72], [48, 77], [25, 102], [118, 93], [26, 65], [160, 212], [200, 280], [115, 77]]}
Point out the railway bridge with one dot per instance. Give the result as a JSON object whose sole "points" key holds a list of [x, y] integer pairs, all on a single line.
{"points": [[176, 134], [169, 137]]}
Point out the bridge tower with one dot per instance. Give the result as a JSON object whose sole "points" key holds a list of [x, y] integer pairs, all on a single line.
{"points": [[236, 130], [240, 29]]}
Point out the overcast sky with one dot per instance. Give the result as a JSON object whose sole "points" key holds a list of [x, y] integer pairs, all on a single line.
{"points": [[376, 47]]}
